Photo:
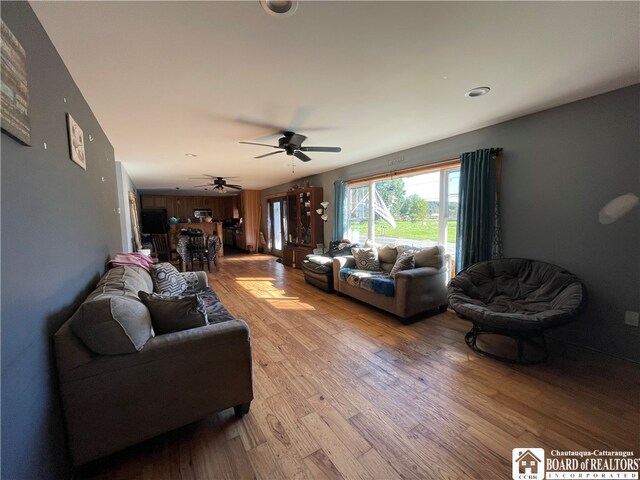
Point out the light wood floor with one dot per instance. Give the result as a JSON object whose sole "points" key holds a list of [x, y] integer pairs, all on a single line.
{"points": [[346, 391]]}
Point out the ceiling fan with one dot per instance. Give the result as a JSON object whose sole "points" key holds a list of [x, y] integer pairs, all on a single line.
{"points": [[291, 144], [218, 183]]}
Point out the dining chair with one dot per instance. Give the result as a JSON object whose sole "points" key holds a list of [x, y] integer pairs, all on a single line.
{"points": [[161, 246]]}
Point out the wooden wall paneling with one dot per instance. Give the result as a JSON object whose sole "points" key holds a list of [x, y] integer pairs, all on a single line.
{"points": [[146, 201], [251, 207]]}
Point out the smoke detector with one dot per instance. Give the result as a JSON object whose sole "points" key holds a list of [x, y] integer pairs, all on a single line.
{"points": [[279, 8]]}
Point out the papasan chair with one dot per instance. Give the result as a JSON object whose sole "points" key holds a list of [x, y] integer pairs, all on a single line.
{"points": [[517, 298]]}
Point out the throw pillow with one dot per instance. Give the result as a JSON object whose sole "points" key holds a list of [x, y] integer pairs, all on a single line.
{"points": [[430, 257], [167, 280], [173, 314], [112, 324], [366, 259], [405, 261]]}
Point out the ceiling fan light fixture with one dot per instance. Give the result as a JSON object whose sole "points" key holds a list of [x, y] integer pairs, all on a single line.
{"points": [[279, 8], [477, 92]]}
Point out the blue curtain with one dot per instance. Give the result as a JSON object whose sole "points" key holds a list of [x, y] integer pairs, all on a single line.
{"points": [[340, 214], [478, 230]]}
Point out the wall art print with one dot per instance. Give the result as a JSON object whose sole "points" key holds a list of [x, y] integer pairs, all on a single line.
{"points": [[14, 89], [76, 142]]}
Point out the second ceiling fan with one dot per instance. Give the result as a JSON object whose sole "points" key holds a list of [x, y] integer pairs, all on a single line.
{"points": [[217, 183], [291, 144]]}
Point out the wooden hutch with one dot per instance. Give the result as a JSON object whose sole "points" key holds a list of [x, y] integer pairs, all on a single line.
{"points": [[305, 228]]}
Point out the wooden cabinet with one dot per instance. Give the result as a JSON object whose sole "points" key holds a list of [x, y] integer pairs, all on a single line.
{"points": [[305, 228], [182, 206], [292, 256], [229, 207], [153, 201]]}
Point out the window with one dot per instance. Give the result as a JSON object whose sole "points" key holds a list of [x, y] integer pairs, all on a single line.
{"points": [[417, 207]]}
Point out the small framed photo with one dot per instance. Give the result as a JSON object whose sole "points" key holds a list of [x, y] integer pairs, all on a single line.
{"points": [[76, 142]]}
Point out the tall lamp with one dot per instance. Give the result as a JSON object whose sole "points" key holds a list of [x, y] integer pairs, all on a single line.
{"points": [[618, 208], [323, 211]]}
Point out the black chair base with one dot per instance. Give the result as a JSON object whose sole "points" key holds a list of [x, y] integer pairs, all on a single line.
{"points": [[535, 341]]}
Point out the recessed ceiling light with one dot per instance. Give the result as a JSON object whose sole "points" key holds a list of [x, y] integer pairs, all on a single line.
{"points": [[191, 155], [177, 188], [477, 92], [279, 8]]}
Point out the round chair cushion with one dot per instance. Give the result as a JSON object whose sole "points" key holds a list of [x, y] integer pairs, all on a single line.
{"points": [[516, 295]]}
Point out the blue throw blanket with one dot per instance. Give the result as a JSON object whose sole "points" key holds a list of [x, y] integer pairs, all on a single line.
{"points": [[377, 282]]}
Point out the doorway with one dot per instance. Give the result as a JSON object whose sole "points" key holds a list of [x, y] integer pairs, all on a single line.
{"points": [[276, 225]]}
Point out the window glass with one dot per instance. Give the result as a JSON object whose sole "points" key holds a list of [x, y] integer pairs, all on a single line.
{"points": [[358, 213], [406, 210]]}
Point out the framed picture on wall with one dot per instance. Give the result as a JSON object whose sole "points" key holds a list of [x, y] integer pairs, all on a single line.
{"points": [[76, 142], [15, 90]]}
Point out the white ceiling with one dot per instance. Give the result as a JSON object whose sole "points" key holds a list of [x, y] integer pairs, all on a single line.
{"points": [[167, 78]]}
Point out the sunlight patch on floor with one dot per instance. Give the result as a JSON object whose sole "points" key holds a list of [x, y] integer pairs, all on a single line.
{"points": [[264, 288], [285, 304], [249, 258]]}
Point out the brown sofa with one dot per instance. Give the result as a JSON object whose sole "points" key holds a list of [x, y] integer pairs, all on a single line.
{"points": [[121, 384], [415, 291]]}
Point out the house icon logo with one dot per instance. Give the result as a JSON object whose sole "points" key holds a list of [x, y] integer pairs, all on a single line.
{"points": [[528, 463]]}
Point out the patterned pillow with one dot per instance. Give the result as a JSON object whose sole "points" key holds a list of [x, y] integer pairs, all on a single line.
{"points": [[366, 259], [167, 280], [191, 278], [405, 261]]}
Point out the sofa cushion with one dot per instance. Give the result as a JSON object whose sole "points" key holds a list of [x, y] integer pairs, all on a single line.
{"points": [[366, 259], [112, 320], [430, 257], [174, 313], [427, 256], [112, 324], [405, 261], [167, 280], [123, 280], [387, 255], [318, 264]]}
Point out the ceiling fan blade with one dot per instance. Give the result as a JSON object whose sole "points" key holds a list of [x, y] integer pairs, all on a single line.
{"points": [[236, 187], [261, 144], [267, 154], [207, 185], [321, 149], [258, 123], [301, 156]]}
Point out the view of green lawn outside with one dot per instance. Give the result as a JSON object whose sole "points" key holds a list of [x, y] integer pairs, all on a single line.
{"points": [[412, 203], [419, 230]]}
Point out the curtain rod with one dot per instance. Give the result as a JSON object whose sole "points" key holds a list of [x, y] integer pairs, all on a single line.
{"points": [[407, 171]]}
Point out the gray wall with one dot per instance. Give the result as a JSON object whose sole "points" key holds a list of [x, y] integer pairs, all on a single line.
{"points": [[59, 226], [560, 167]]}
